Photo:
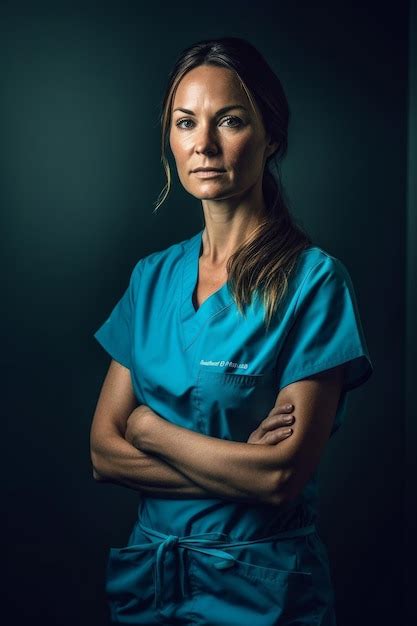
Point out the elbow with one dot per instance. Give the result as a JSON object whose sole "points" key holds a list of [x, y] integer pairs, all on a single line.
{"points": [[100, 474], [98, 477]]}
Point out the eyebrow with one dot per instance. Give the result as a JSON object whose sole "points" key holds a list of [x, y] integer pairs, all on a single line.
{"points": [[222, 110]]}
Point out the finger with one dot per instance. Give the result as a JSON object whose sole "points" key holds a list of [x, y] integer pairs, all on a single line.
{"points": [[276, 410], [284, 408], [277, 421], [254, 438], [275, 436]]}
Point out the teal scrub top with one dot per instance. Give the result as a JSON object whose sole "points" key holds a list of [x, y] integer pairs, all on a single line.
{"points": [[218, 373]]}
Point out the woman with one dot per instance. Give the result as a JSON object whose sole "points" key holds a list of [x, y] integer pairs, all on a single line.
{"points": [[211, 340]]}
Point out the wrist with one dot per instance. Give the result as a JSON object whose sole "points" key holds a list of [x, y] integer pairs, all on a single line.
{"points": [[153, 431], [139, 425], [143, 431]]}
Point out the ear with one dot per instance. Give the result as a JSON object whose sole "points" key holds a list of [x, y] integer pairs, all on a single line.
{"points": [[271, 147]]}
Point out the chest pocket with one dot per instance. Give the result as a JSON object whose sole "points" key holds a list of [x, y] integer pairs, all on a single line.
{"points": [[231, 405]]}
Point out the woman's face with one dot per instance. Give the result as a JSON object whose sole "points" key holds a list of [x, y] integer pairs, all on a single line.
{"points": [[204, 135]]}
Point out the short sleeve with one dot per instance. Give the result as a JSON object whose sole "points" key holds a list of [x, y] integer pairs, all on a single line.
{"points": [[115, 335], [326, 331]]}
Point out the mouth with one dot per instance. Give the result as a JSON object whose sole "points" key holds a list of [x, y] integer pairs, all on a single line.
{"points": [[208, 169], [208, 173]]}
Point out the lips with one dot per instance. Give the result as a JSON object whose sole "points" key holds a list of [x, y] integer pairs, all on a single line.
{"points": [[206, 174], [208, 169]]}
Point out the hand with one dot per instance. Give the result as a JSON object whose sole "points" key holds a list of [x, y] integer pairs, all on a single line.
{"points": [[138, 419], [274, 428]]}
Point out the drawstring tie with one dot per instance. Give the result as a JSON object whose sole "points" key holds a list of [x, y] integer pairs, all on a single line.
{"points": [[203, 543]]}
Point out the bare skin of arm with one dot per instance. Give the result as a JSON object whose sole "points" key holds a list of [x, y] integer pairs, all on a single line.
{"points": [[117, 460], [235, 470]]}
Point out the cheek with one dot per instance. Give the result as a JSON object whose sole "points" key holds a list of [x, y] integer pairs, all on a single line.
{"points": [[173, 144], [246, 160], [181, 157], [181, 153]]}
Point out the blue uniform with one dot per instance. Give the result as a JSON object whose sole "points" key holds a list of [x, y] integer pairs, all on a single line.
{"points": [[213, 561]]}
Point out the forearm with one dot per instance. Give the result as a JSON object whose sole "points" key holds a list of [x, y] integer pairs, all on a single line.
{"points": [[117, 461], [228, 469]]}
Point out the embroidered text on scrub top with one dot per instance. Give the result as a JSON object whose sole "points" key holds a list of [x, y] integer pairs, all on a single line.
{"points": [[243, 366]]}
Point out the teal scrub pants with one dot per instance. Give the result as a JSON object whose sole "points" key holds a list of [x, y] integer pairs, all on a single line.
{"points": [[208, 580]]}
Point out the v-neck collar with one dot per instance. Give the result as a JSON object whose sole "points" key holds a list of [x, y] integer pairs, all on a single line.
{"points": [[192, 320]]}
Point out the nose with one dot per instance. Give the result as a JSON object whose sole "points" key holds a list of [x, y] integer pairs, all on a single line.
{"points": [[206, 142]]}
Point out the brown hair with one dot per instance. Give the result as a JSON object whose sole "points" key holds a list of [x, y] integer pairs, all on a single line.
{"points": [[265, 260]]}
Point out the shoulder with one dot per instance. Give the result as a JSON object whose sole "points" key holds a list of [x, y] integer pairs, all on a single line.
{"points": [[166, 259], [315, 263], [319, 274], [320, 277], [163, 261], [316, 257]]}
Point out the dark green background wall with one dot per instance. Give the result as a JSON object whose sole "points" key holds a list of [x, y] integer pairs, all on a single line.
{"points": [[81, 86]]}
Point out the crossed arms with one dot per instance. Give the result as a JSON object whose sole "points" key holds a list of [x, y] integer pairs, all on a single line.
{"points": [[136, 448]]}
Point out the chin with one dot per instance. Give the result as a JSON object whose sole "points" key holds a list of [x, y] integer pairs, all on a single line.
{"points": [[209, 196], [210, 192]]}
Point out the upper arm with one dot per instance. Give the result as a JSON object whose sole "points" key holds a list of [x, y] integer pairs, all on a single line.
{"points": [[115, 403], [315, 401]]}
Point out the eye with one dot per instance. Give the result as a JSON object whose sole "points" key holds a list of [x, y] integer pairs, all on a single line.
{"points": [[232, 117], [181, 122], [226, 119]]}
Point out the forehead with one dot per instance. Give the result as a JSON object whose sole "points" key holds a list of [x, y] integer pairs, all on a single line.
{"points": [[207, 86]]}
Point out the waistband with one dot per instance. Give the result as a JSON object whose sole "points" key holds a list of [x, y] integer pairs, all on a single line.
{"points": [[213, 547]]}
